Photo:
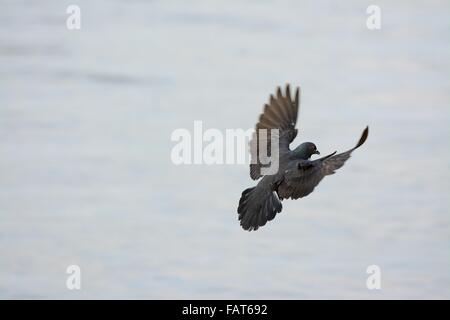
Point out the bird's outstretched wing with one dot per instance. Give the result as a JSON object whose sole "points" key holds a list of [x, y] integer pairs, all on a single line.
{"points": [[280, 113], [304, 175]]}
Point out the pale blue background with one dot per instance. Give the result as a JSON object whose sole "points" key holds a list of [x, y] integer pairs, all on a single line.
{"points": [[86, 177]]}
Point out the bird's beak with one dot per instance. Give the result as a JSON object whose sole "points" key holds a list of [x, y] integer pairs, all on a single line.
{"points": [[316, 152]]}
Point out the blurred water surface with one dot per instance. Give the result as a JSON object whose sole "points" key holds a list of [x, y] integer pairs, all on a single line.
{"points": [[86, 176]]}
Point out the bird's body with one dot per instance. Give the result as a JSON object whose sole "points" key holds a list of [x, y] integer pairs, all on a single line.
{"points": [[297, 174]]}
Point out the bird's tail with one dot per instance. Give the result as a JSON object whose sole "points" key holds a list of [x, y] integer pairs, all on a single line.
{"points": [[257, 206]]}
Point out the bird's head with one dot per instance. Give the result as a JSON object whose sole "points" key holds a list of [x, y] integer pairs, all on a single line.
{"points": [[306, 150]]}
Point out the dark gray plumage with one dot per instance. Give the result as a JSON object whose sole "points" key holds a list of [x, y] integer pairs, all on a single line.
{"points": [[297, 175]]}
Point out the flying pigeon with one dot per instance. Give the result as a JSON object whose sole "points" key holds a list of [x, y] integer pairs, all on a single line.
{"points": [[297, 174]]}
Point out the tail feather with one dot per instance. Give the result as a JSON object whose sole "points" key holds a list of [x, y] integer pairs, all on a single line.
{"points": [[257, 206]]}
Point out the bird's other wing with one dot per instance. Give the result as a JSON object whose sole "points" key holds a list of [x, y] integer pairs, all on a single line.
{"points": [[303, 176], [280, 113]]}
